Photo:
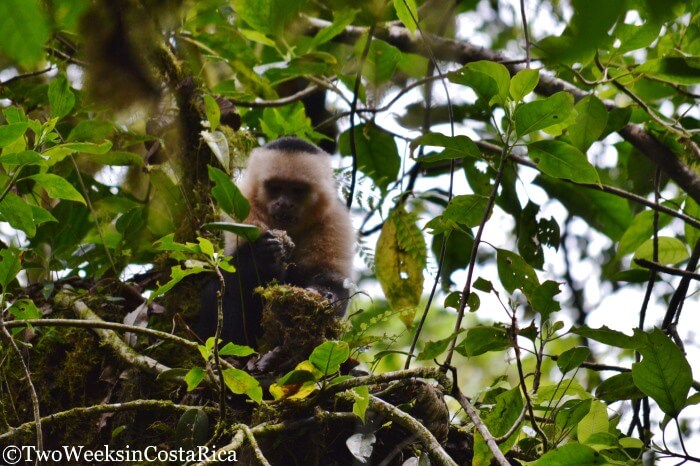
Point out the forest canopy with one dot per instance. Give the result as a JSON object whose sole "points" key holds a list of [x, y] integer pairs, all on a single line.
{"points": [[523, 177]]}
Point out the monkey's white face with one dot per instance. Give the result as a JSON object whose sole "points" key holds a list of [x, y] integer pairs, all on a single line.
{"points": [[288, 203]]}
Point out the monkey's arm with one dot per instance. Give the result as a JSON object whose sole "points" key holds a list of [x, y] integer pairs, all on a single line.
{"points": [[256, 264]]}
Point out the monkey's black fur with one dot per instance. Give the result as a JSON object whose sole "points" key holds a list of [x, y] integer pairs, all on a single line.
{"points": [[293, 145]]}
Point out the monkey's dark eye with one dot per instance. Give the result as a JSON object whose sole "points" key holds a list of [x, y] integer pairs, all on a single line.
{"points": [[298, 193]]}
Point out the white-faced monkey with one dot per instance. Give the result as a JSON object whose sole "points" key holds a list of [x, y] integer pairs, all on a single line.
{"points": [[290, 186]]}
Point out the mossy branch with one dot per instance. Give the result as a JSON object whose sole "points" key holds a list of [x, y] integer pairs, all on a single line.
{"points": [[109, 337], [80, 412]]}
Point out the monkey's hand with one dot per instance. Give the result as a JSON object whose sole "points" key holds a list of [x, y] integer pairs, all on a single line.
{"points": [[270, 250]]}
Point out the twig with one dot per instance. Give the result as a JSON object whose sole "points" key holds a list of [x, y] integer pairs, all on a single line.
{"points": [[676, 303], [523, 385], [217, 337], [98, 409], [26, 75], [435, 451], [527, 33], [647, 264], [104, 325], [513, 428], [254, 445], [95, 218], [353, 109], [422, 372], [233, 446], [278, 102], [475, 249], [480, 426]]}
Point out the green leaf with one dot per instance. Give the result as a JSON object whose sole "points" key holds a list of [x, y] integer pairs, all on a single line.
{"points": [[231, 349], [328, 356], [399, 263], [194, 377], [457, 147], [633, 37], [605, 212], [212, 112], [12, 132], [529, 245], [15, 211], [377, 155], [515, 273], [606, 336], [480, 340], [360, 399], [407, 12], [670, 251], [482, 284], [57, 187], [594, 422], [572, 358], [640, 230], [341, 19], [433, 349], [9, 266], [61, 98], [561, 160], [571, 454], [617, 388], [267, 16], [591, 120], [24, 30], [569, 414], [502, 417], [541, 114], [242, 383], [542, 299], [61, 151], [26, 157], [692, 234], [382, 60], [192, 428], [131, 222], [457, 252], [227, 195], [177, 273], [466, 210], [245, 231], [523, 83], [114, 159], [587, 31], [489, 80], [90, 131], [678, 70], [664, 373]]}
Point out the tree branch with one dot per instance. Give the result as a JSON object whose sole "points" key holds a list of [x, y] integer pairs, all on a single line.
{"points": [[435, 451], [98, 409]]}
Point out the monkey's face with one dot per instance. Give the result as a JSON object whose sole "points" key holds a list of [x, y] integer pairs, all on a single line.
{"points": [[288, 203]]}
